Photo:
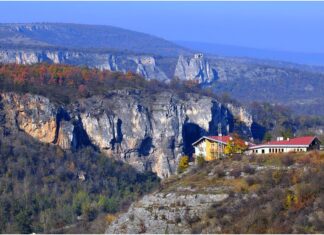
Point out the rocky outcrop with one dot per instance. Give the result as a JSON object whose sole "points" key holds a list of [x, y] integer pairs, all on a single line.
{"points": [[141, 64], [195, 68], [33, 114], [163, 213], [148, 131], [241, 114], [146, 67], [65, 137]]}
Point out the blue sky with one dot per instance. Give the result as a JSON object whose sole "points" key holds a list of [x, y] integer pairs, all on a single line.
{"points": [[289, 26]]}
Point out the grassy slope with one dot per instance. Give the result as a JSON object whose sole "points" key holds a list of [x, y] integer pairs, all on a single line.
{"points": [[268, 194]]}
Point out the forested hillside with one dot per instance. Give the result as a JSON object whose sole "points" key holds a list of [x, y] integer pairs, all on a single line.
{"points": [[43, 188], [277, 120], [66, 83]]}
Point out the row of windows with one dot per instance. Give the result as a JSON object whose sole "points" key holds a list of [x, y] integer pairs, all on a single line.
{"points": [[275, 150]]}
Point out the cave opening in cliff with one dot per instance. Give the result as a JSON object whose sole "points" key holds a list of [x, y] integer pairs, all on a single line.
{"points": [[145, 146], [190, 133]]}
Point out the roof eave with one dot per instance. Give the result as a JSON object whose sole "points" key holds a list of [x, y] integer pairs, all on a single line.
{"points": [[279, 146], [206, 137]]}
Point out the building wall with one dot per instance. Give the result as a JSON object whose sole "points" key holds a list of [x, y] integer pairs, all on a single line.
{"points": [[211, 150], [200, 149], [268, 150], [208, 149], [315, 145]]}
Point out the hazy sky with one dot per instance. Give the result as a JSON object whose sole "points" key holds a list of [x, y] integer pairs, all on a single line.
{"points": [[291, 26]]}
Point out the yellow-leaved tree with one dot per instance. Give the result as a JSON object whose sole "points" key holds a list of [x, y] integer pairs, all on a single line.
{"points": [[183, 164], [235, 145]]}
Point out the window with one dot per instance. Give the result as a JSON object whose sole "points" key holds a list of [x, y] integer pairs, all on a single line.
{"points": [[262, 150]]}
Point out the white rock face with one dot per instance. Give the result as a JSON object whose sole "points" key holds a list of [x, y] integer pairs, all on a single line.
{"points": [[100, 129], [32, 114], [143, 65], [241, 114], [65, 135], [195, 68], [148, 131], [147, 68]]}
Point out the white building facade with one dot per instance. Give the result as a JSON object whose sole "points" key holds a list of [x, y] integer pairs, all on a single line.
{"points": [[299, 144]]}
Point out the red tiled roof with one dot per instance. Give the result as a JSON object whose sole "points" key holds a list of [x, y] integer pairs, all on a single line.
{"points": [[299, 141], [224, 139], [305, 140]]}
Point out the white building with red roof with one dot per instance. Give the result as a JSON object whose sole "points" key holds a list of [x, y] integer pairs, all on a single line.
{"points": [[299, 144]]}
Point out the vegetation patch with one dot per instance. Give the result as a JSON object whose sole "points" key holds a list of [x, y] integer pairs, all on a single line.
{"points": [[284, 196], [40, 190]]}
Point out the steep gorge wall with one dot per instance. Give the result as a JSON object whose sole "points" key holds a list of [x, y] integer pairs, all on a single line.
{"points": [[144, 65], [150, 132], [196, 67]]}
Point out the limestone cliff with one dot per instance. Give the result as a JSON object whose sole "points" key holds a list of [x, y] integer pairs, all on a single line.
{"points": [[144, 65], [148, 131], [195, 68], [32, 114]]}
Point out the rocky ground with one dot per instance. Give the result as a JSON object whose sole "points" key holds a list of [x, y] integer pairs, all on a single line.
{"points": [[244, 194], [166, 212]]}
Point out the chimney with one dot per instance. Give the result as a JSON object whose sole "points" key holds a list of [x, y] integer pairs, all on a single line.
{"points": [[220, 134], [280, 138]]}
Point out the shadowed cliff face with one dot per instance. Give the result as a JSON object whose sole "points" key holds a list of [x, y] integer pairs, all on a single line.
{"points": [[150, 132]]}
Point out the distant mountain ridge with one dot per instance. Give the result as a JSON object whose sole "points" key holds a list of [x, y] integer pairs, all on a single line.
{"points": [[239, 51], [110, 48], [79, 36]]}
